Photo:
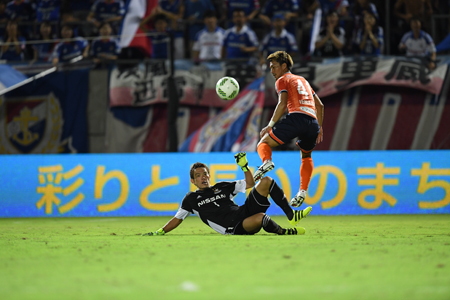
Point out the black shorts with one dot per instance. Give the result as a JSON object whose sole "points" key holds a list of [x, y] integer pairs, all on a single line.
{"points": [[305, 128], [254, 204]]}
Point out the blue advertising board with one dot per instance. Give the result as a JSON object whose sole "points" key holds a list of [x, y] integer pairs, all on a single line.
{"points": [[343, 183]]}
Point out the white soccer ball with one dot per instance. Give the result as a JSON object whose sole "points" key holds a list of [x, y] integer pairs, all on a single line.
{"points": [[227, 88]]}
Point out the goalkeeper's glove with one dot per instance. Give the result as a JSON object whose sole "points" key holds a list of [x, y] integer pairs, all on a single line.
{"points": [[157, 232], [241, 160]]}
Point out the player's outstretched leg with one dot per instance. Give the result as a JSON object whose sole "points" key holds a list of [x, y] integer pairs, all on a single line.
{"points": [[271, 226], [306, 169], [300, 214], [277, 195]]}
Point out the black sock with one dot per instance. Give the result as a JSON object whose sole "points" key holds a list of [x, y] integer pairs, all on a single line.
{"points": [[270, 226], [277, 195]]}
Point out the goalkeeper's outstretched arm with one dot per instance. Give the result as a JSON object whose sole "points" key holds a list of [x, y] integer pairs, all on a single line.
{"points": [[172, 224]]}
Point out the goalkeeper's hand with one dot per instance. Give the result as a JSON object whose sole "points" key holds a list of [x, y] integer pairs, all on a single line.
{"points": [[241, 160], [157, 232]]}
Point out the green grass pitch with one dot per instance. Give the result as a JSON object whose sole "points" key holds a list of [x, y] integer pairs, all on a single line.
{"points": [[341, 257]]}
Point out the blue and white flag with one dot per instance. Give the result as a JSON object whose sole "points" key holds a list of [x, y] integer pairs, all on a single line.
{"points": [[236, 128]]}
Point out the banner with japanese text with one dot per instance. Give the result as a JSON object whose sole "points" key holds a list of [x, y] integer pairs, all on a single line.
{"points": [[334, 76], [343, 182]]}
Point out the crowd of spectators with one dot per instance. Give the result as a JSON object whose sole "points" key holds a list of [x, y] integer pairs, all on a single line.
{"points": [[61, 30]]}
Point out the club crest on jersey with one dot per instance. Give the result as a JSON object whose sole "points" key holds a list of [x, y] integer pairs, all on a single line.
{"points": [[31, 125], [216, 190]]}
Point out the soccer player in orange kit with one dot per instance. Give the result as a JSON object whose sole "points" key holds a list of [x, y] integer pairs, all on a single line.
{"points": [[304, 121]]}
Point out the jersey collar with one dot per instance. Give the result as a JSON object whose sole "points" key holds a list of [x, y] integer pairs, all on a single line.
{"points": [[282, 34]]}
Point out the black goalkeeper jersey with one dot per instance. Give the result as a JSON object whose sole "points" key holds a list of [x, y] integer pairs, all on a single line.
{"points": [[215, 205]]}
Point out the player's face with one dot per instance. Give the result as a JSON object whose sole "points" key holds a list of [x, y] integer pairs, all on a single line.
{"points": [[201, 178], [239, 18], [279, 24], [161, 25], [66, 32], [415, 25], [105, 30], [333, 19], [276, 69], [211, 23], [45, 29], [369, 19]]}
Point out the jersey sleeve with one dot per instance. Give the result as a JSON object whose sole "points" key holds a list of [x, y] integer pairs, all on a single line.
{"points": [[281, 85], [121, 11], [292, 43], [240, 186], [253, 40], [185, 208], [182, 214], [380, 36], [196, 45], [430, 44]]}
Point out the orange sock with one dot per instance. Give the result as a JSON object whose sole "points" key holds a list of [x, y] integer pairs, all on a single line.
{"points": [[306, 170], [264, 151]]}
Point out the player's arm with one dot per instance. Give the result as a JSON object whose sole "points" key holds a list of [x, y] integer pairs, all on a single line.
{"points": [[172, 224], [241, 160], [336, 41], [320, 113], [278, 113]]}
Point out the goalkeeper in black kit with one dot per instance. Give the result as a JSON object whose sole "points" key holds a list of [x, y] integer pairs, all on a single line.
{"points": [[214, 205]]}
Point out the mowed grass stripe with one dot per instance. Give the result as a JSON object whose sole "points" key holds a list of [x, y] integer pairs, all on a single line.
{"points": [[342, 257]]}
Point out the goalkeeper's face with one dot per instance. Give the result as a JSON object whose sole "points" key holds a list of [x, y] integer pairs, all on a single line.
{"points": [[201, 178]]}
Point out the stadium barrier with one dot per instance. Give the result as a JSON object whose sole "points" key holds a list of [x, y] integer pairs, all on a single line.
{"points": [[94, 185]]}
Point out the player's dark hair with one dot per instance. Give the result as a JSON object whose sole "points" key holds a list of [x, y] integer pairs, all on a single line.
{"points": [[238, 10], [332, 12], [103, 24], [196, 166], [415, 19], [282, 57], [210, 14], [159, 17]]}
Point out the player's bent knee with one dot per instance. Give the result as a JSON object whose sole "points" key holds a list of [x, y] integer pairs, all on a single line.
{"points": [[263, 186], [266, 181]]}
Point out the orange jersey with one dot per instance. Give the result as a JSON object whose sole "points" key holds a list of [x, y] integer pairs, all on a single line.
{"points": [[300, 94]]}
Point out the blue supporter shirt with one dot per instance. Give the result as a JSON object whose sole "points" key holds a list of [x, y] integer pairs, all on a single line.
{"points": [[103, 11], [246, 5], [65, 51], [422, 46], [173, 8], [327, 5], [369, 48], [196, 9], [274, 7], [48, 10], [109, 46], [10, 54], [234, 40], [44, 51], [167, 5], [160, 45], [23, 10], [285, 42]]}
